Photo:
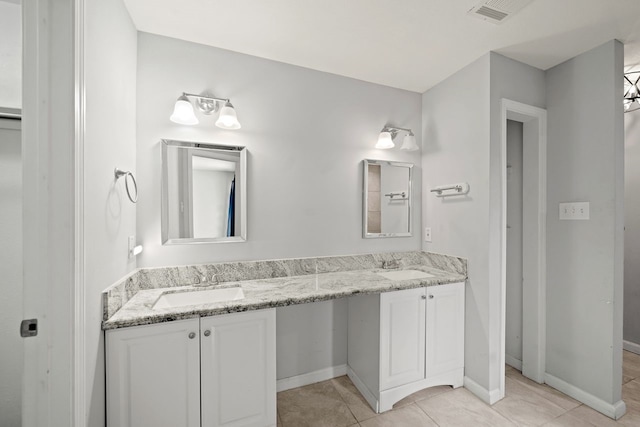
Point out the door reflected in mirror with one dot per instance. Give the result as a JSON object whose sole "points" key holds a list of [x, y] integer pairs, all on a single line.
{"points": [[386, 199], [203, 193]]}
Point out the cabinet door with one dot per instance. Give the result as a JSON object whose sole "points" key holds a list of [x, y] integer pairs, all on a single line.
{"points": [[238, 366], [402, 337], [153, 375], [445, 328]]}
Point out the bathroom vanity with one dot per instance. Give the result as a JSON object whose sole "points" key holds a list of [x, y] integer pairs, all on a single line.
{"points": [[209, 371], [194, 355], [404, 341]]}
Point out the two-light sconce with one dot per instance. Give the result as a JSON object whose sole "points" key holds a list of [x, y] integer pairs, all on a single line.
{"points": [[184, 114], [389, 133]]}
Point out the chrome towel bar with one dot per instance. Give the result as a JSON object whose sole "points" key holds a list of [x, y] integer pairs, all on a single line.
{"points": [[461, 188]]}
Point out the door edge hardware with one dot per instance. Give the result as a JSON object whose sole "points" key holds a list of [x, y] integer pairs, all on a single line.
{"points": [[29, 328]]}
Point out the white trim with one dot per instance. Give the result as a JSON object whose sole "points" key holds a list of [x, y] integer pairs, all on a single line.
{"points": [[513, 362], [488, 397], [611, 410], [80, 409], [390, 397], [631, 346], [534, 335], [364, 391], [311, 377]]}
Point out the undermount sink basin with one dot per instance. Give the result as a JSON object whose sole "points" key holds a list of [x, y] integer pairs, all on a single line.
{"points": [[196, 297], [404, 274]]}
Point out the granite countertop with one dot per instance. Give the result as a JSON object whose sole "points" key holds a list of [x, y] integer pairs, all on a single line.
{"points": [[273, 292]]}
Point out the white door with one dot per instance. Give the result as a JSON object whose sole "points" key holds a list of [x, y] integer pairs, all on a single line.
{"points": [[402, 337], [154, 375], [445, 328], [11, 353], [238, 368]]}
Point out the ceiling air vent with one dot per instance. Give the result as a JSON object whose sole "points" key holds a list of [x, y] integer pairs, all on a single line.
{"points": [[497, 11]]}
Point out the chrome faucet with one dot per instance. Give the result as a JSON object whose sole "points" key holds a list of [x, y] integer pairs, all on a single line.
{"points": [[391, 264], [204, 282]]}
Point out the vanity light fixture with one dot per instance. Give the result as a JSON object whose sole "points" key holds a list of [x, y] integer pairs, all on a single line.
{"points": [[631, 91], [389, 133], [184, 114]]}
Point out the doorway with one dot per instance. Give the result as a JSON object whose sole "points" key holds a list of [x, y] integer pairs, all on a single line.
{"points": [[11, 355], [513, 324], [530, 251]]}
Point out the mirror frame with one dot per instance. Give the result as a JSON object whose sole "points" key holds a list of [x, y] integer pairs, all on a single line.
{"points": [[365, 198], [166, 143]]}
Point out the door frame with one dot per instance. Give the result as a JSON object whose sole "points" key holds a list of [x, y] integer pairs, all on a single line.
{"points": [[534, 121]]}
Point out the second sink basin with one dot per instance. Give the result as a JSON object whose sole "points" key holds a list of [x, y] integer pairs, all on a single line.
{"points": [[196, 297], [404, 274]]}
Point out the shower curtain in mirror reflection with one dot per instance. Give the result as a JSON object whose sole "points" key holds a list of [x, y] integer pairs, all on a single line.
{"points": [[231, 223]]}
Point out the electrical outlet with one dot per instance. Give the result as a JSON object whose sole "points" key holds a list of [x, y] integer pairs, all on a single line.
{"points": [[131, 245], [574, 211], [427, 234]]}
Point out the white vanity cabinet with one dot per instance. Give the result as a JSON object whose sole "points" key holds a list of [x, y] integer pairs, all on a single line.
{"points": [[238, 369], [212, 371], [403, 341]]}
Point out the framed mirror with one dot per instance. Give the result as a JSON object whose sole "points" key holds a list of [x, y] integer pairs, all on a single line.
{"points": [[386, 199], [204, 193]]}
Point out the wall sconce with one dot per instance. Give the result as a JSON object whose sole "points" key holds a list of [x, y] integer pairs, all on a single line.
{"points": [[389, 133], [184, 114], [631, 91]]}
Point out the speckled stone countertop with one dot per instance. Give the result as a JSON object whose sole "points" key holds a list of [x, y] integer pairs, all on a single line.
{"points": [[274, 292]]}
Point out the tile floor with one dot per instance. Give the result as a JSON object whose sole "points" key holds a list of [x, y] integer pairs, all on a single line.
{"points": [[337, 403]]}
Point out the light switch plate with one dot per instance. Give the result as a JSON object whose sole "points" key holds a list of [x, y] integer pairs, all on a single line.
{"points": [[574, 211]]}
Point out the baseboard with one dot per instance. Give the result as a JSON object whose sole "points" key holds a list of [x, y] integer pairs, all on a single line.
{"points": [[489, 397], [512, 361], [611, 410], [631, 346], [364, 391], [311, 377]]}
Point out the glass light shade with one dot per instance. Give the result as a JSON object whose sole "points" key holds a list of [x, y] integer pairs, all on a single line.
{"points": [[409, 143], [385, 141], [228, 118], [183, 112]]}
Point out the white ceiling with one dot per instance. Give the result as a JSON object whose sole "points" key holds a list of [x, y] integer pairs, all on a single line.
{"points": [[407, 44]]}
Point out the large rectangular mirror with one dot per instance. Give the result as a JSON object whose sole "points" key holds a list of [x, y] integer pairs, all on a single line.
{"points": [[386, 199], [204, 194]]}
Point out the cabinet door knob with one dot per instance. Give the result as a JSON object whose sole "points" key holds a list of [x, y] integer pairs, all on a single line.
{"points": [[207, 333], [430, 296], [423, 297], [192, 335]]}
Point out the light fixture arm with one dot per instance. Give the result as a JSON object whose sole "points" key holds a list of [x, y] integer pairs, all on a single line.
{"points": [[206, 104], [209, 98], [393, 130]]}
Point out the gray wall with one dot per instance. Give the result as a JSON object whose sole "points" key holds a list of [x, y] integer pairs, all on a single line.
{"points": [[584, 258], [109, 216], [11, 353], [632, 229], [307, 133], [456, 149], [461, 143]]}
